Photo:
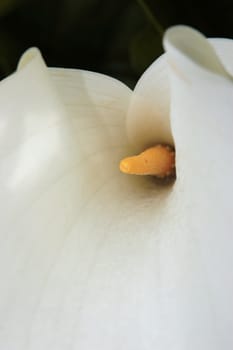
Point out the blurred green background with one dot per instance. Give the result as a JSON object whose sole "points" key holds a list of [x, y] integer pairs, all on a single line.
{"points": [[119, 38]]}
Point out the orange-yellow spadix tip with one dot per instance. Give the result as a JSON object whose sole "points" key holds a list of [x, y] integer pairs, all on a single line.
{"points": [[157, 161]]}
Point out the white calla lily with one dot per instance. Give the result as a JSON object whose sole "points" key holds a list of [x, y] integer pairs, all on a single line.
{"points": [[92, 258]]}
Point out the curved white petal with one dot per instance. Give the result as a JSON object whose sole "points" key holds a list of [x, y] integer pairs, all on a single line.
{"points": [[202, 124], [188, 46], [79, 251], [148, 117]]}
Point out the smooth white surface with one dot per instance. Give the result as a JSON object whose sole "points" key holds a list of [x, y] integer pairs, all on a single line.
{"points": [[92, 258], [202, 124], [148, 116]]}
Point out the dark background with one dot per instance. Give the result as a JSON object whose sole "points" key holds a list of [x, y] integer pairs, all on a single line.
{"points": [[116, 37]]}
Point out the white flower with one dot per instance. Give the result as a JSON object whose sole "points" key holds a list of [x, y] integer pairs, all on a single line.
{"points": [[94, 259]]}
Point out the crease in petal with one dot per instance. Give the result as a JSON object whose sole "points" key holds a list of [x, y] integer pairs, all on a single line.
{"points": [[148, 118]]}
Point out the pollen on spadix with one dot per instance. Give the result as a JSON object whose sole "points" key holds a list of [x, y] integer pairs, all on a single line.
{"points": [[157, 161]]}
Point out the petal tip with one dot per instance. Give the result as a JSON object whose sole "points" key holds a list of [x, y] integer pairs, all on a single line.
{"points": [[28, 56]]}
